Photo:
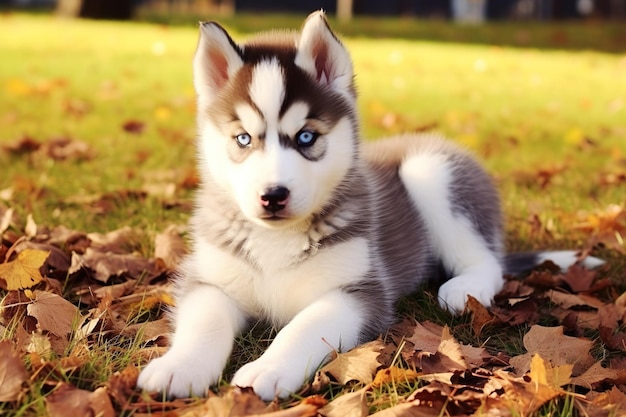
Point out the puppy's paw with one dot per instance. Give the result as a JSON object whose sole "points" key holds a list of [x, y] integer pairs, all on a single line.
{"points": [[453, 293], [179, 375], [270, 378]]}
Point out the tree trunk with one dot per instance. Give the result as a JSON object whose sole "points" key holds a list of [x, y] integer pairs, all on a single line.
{"points": [[68, 8], [344, 10], [96, 9]]}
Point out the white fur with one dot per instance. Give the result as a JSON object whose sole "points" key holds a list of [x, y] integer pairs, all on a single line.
{"points": [[331, 322], [337, 71], [566, 258], [206, 321], [462, 250], [213, 42], [267, 90]]}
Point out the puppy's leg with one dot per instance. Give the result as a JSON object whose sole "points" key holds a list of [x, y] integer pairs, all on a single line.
{"points": [[430, 179], [206, 321], [330, 323]]}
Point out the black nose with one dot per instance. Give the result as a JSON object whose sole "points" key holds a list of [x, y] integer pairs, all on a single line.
{"points": [[275, 198]]}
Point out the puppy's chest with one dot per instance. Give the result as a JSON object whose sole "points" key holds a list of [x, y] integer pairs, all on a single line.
{"points": [[269, 251], [286, 274]]}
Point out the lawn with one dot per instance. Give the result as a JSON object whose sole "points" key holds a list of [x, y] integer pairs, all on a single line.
{"points": [[98, 133]]}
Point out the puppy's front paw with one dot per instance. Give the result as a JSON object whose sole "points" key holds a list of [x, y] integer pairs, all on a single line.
{"points": [[453, 293], [270, 378], [179, 375]]}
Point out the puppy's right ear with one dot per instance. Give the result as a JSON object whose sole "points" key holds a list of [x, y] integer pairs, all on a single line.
{"points": [[216, 60]]}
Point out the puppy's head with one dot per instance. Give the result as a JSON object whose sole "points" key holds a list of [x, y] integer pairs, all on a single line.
{"points": [[276, 119]]}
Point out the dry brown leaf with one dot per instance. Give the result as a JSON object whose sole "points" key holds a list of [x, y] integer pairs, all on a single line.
{"points": [[54, 314], [31, 227], [450, 352], [169, 248], [23, 272], [579, 279], [236, 402], [609, 403], [121, 385], [573, 300], [410, 409], [106, 265], [39, 344], [117, 241], [597, 374], [480, 315], [5, 220], [555, 347], [426, 338], [67, 400], [358, 364], [150, 331], [353, 404], [504, 393], [61, 149], [12, 372]]}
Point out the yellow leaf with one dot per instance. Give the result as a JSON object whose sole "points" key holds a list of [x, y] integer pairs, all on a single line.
{"points": [[394, 375], [538, 370], [542, 372], [23, 271]]}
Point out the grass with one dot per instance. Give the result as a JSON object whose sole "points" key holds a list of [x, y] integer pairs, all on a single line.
{"points": [[523, 110]]}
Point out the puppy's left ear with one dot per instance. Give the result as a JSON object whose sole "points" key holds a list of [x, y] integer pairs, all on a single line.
{"points": [[323, 56], [216, 60]]}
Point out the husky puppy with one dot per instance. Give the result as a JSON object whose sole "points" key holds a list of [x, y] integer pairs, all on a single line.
{"points": [[299, 223]]}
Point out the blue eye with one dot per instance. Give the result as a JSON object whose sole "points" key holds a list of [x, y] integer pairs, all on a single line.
{"points": [[306, 138], [243, 140]]}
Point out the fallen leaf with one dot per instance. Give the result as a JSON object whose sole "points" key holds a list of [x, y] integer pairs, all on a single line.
{"points": [[12, 373], [541, 372], [119, 241], [480, 315], [105, 265], [5, 220], [169, 248], [451, 355], [62, 149], [67, 400], [555, 347], [394, 375], [235, 402], [567, 301], [23, 272], [578, 278], [504, 393], [54, 314], [609, 403], [134, 126], [353, 404], [410, 409], [23, 145], [597, 374], [358, 364], [426, 338]]}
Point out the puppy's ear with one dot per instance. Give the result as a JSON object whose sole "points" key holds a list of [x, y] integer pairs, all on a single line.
{"points": [[323, 56], [216, 60]]}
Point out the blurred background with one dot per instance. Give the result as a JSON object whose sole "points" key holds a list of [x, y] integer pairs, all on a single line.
{"points": [[470, 11]]}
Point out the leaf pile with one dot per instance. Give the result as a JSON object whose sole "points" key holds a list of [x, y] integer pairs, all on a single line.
{"points": [[69, 296]]}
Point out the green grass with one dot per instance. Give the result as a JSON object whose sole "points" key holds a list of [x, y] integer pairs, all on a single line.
{"points": [[521, 109]]}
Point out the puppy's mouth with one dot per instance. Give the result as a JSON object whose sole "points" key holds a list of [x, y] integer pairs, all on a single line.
{"points": [[273, 217]]}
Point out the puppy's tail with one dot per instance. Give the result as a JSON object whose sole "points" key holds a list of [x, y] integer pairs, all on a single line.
{"points": [[517, 263]]}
